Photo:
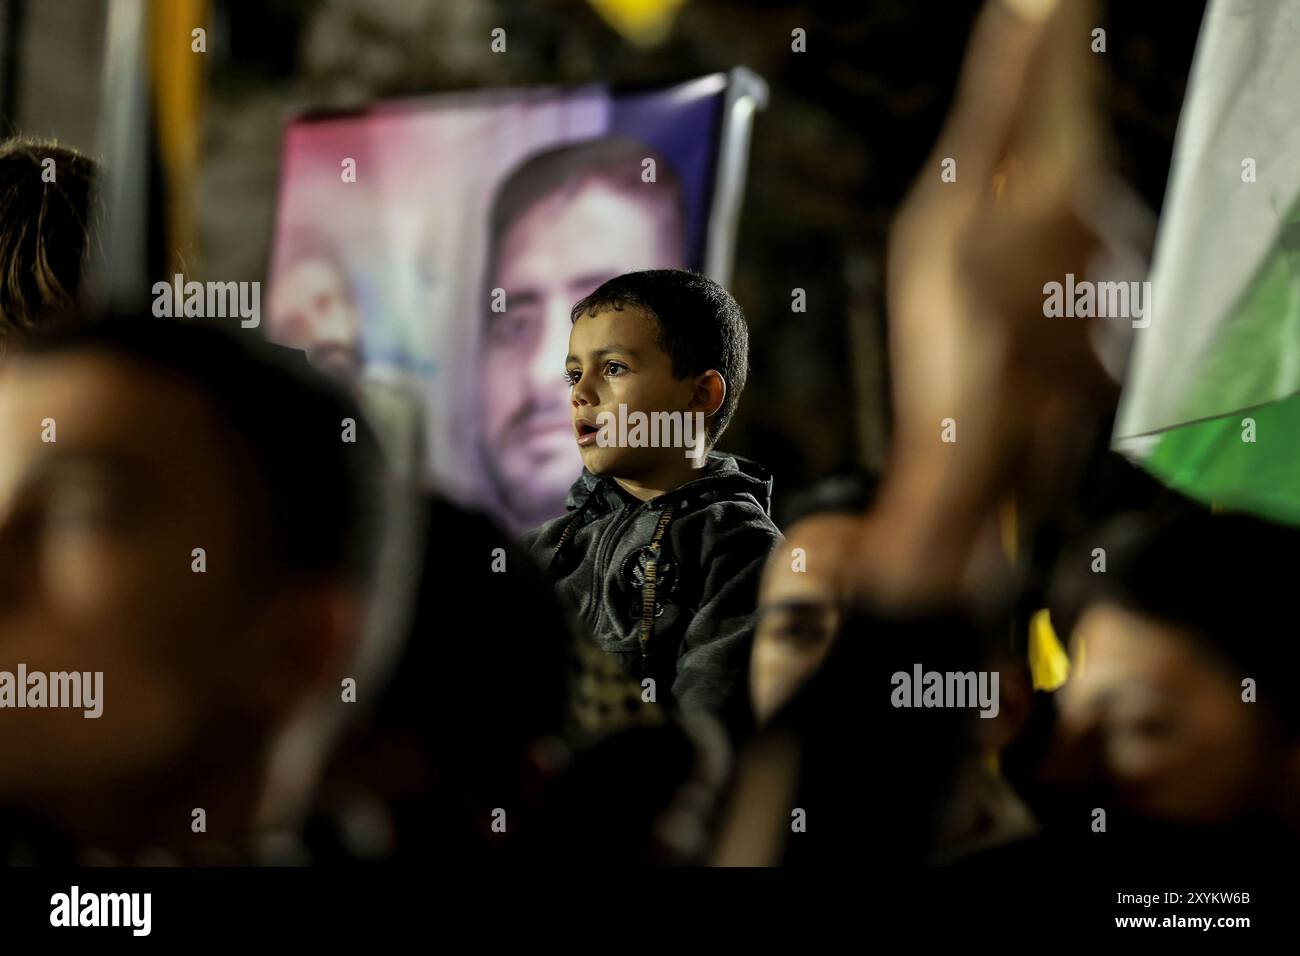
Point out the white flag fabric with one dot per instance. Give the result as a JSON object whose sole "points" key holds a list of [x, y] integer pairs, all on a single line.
{"points": [[1225, 284]]}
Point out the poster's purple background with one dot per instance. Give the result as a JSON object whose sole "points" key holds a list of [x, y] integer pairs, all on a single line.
{"points": [[684, 128]]}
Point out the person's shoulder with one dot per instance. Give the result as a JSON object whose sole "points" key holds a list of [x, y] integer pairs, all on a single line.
{"points": [[740, 512], [736, 523], [733, 489]]}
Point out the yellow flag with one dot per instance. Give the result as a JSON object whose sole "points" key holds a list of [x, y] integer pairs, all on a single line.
{"points": [[1049, 665]]}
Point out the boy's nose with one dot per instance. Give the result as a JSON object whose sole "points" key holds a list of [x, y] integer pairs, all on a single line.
{"points": [[581, 395]]}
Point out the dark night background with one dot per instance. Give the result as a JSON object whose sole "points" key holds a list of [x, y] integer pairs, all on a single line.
{"points": [[848, 124]]}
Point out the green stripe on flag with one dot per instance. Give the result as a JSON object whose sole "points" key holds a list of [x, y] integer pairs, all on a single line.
{"points": [[1210, 461], [1223, 343], [1256, 349]]}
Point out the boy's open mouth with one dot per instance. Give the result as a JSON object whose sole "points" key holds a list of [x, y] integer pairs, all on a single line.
{"points": [[586, 431]]}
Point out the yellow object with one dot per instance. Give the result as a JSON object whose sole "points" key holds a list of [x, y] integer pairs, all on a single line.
{"points": [[177, 73], [1049, 665], [643, 22], [1035, 11]]}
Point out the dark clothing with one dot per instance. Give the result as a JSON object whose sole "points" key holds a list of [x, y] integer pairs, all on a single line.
{"points": [[714, 547]]}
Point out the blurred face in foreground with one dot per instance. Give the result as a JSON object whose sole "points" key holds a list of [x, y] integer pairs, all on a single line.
{"points": [[1166, 720], [97, 532], [799, 609], [553, 255]]}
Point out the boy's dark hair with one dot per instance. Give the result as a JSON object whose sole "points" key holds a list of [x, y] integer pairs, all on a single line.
{"points": [[700, 326], [1227, 579], [323, 494], [44, 232]]}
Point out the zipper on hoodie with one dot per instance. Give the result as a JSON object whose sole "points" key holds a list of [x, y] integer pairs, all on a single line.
{"points": [[627, 517]]}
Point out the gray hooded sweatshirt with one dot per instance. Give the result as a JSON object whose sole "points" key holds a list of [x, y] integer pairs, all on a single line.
{"points": [[712, 551]]}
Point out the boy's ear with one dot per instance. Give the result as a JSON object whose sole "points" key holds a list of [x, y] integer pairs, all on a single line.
{"points": [[710, 392]]}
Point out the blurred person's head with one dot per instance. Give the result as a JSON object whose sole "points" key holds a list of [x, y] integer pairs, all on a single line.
{"points": [[45, 212], [562, 223], [313, 306], [801, 603], [888, 802], [923, 792], [125, 447], [472, 718], [1155, 713], [663, 340]]}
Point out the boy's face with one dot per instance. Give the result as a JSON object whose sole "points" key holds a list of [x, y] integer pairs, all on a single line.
{"points": [[614, 359]]}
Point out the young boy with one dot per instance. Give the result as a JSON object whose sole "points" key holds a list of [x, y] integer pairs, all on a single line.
{"points": [[662, 548]]}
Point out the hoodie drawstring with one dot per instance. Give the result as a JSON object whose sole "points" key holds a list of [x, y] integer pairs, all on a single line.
{"points": [[650, 583]]}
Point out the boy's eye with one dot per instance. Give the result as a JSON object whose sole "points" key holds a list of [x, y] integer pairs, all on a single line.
{"points": [[571, 376]]}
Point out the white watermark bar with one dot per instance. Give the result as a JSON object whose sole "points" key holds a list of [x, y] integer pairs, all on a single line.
{"points": [[923, 688], [212, 300], [652, 430], [1101, 300], [73, 690], [77, 909]]}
